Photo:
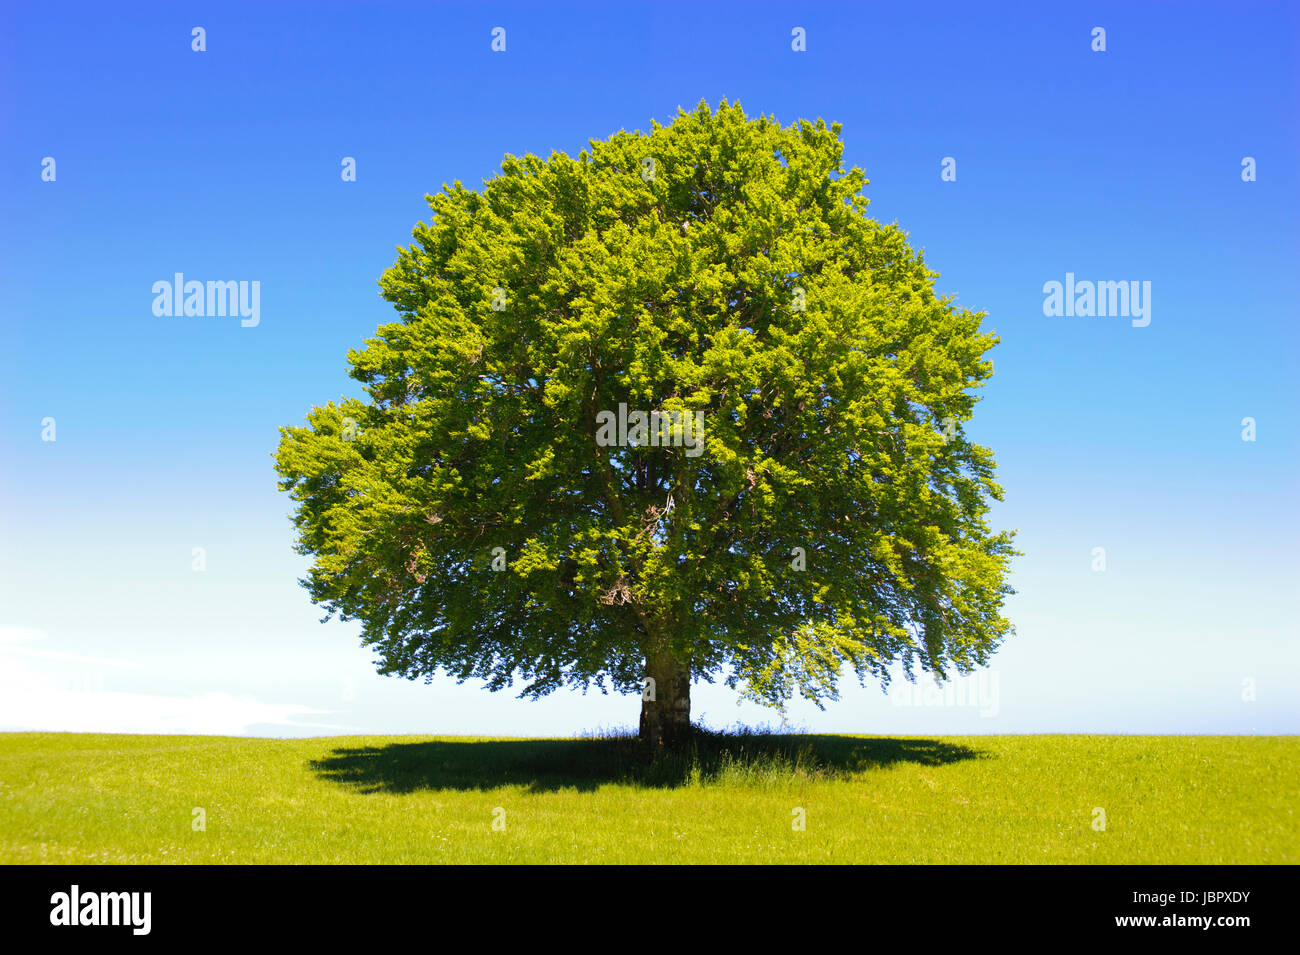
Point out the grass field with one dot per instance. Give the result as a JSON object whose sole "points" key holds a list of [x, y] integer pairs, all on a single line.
{"points": [[78, 798]]}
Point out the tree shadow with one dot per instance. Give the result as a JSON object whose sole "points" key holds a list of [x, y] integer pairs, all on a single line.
{"points": [[549, 765]]}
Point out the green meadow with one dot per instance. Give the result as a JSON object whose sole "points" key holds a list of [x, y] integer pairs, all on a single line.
{"points": [[86, 798]]}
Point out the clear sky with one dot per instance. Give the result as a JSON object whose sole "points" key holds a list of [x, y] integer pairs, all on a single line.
{"points": [[1122, 165]]}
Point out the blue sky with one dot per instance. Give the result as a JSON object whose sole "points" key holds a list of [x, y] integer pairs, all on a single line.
{"points": [[225, 164]]}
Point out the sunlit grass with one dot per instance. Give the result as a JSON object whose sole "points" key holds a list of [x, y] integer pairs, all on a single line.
{"points": [[132, 799]]}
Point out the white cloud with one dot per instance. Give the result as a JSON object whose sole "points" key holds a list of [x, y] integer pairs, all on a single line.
{"points": [[70, 657], [31, 700], [10, 635]]}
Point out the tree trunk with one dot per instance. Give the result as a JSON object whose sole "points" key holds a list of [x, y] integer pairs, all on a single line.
{"points": [[666, 719]]}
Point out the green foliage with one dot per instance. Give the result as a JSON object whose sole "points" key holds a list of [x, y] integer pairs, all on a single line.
{"points": [[737, 275]]}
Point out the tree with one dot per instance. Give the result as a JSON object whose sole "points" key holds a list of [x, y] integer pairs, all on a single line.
{"points": [[675, 409]]}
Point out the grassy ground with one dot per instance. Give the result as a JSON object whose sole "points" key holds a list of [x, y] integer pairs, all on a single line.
{"points": [[132, 799]]}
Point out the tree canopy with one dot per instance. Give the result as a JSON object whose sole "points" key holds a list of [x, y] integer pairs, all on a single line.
{"points": [[480, 514]]}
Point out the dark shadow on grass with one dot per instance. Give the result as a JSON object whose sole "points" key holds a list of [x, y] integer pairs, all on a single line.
{"points": [[547, 765]]}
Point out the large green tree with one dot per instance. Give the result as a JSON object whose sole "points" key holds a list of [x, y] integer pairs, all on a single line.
{"points": [[479, 514]]}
